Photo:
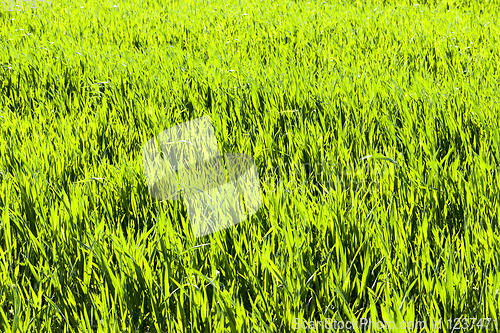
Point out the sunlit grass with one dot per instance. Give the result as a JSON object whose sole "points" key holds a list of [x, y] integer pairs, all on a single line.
{"points": [[375, 130]]}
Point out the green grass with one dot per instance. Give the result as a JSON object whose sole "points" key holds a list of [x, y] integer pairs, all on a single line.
{"points": [[311, 90]]}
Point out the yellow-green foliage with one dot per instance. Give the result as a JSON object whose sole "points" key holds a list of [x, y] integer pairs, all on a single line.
{"points": [[375, 130]]}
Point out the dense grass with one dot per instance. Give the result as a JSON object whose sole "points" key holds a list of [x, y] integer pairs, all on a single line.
{"points": [[375, 129]]}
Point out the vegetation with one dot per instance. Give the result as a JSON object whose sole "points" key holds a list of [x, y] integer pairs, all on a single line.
{"points": [[375, 131]]}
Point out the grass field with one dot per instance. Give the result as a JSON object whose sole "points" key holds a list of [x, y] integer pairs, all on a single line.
{"points": [[375, 131]]}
